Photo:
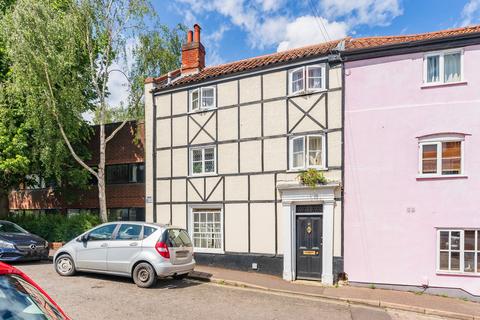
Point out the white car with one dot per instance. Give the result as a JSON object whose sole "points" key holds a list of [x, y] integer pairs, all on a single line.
{"points": [[143, 251]]}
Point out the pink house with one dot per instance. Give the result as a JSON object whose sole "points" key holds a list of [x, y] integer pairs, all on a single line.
{"points": [[412, 161]]}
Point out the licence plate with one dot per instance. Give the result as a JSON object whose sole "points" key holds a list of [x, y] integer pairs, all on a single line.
{"points": [[181, 254]]}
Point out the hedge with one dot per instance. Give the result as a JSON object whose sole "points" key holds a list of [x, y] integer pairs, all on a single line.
{"points": [[55, 227]]}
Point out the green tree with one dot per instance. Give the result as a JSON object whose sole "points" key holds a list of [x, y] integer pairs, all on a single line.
{"points": [[29, 138], [45, 46], [14, 162]]}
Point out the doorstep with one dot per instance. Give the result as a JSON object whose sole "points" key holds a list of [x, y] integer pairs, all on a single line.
{"points": [[391, 299]]}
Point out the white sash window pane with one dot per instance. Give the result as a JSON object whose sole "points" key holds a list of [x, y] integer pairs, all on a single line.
{"points": [[433, 69], [209, 154], [298, 147], [452, 67], [195, 100], [297, 80], [314, 77], [455, 240], [429, 158], [208, 97], [451, 157], [444, 260], [314, 151], [210, 166]]}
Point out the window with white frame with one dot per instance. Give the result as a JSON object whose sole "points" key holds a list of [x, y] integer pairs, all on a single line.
{"points": [[459, 251], [202, 160], [307, 79], [307, 152], [441, 156], [207, 229], [202, 98], [443, 67]]}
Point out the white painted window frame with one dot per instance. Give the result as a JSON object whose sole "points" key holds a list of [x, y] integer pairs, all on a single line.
{"points": [[200, 99], [203, 173], [306, 152], [441, 63], [323, 80], [462, 252], [306, 88], [190, 227], [438, 140]]}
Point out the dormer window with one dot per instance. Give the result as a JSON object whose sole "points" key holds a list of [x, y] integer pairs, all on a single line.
{"points": [[307, 79], [202, 99], [443, 67]]}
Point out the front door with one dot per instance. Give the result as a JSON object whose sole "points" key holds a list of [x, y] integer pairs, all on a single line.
{"points": [[309, 247]]}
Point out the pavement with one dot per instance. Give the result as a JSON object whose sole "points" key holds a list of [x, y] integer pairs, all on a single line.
{"points": [[391, 299], [91, 296]]}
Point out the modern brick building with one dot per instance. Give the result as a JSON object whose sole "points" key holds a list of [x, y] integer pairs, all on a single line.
{"points": [[125, 187]]}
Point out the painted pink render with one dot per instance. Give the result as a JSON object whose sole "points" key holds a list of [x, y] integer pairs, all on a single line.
{"points": [[386, 109]]}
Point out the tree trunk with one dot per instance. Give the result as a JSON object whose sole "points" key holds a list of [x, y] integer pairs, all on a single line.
{"points": [[4, 207], [101, 177]]}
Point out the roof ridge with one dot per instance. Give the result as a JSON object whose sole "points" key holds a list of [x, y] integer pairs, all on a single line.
{"points": [[418, 34], [276, 53]]}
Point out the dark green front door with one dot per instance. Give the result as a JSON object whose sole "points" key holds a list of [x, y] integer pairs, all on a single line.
{"points": [[309, 247]]}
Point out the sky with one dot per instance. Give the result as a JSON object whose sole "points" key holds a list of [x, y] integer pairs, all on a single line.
{"points": [[239, 29]]}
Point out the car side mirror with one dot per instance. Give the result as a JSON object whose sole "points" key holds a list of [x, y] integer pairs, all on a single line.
{"points": [[84, 238]]}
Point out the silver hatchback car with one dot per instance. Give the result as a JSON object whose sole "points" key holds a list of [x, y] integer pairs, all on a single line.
{"points": [[143, 251]]}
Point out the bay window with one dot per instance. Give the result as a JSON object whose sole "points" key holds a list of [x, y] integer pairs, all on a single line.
{"points": [[307, 79], [202, 99], [443, 67], [202, 160], [441, 156], [307, 152], [458, 251]]}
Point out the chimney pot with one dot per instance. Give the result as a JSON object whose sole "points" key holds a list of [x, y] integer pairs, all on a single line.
{"points": [[193, 52], [197, 29], [189, 36]]}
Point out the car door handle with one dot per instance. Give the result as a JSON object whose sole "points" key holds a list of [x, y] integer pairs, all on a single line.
{"points": [[104, 245], [133, 244]]}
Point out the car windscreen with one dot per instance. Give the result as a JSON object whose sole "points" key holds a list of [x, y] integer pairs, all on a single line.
{"points": [[21, 300], [178, 238], [9, 227]]}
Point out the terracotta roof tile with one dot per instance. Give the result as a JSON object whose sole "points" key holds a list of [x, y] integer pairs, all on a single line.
{"points": [[371, 42], [351, 44], [250, 64]]}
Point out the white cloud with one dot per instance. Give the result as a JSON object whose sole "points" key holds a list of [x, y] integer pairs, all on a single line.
{"points": [[370, 12], [271, 5], [307, 30], [471, 12], [212, 45], [269, 23]]}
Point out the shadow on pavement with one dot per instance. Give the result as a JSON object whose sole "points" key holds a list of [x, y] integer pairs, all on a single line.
{"points": [[28, 263]]}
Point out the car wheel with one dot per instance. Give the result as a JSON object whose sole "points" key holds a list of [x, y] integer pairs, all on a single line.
{"points": [[144, 275], [64, 266], [180, 276]]}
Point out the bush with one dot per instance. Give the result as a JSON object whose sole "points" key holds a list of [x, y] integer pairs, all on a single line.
{"points": [[55, 227], [312, 177]]}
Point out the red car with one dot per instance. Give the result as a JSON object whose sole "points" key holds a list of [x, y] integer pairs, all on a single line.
{"points": [[23, 299]]}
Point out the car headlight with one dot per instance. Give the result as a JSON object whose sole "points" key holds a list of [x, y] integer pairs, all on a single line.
{"points": [[6, 245]]}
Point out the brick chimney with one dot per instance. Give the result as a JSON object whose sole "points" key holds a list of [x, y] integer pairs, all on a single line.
{"points": [[193, 52]]}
